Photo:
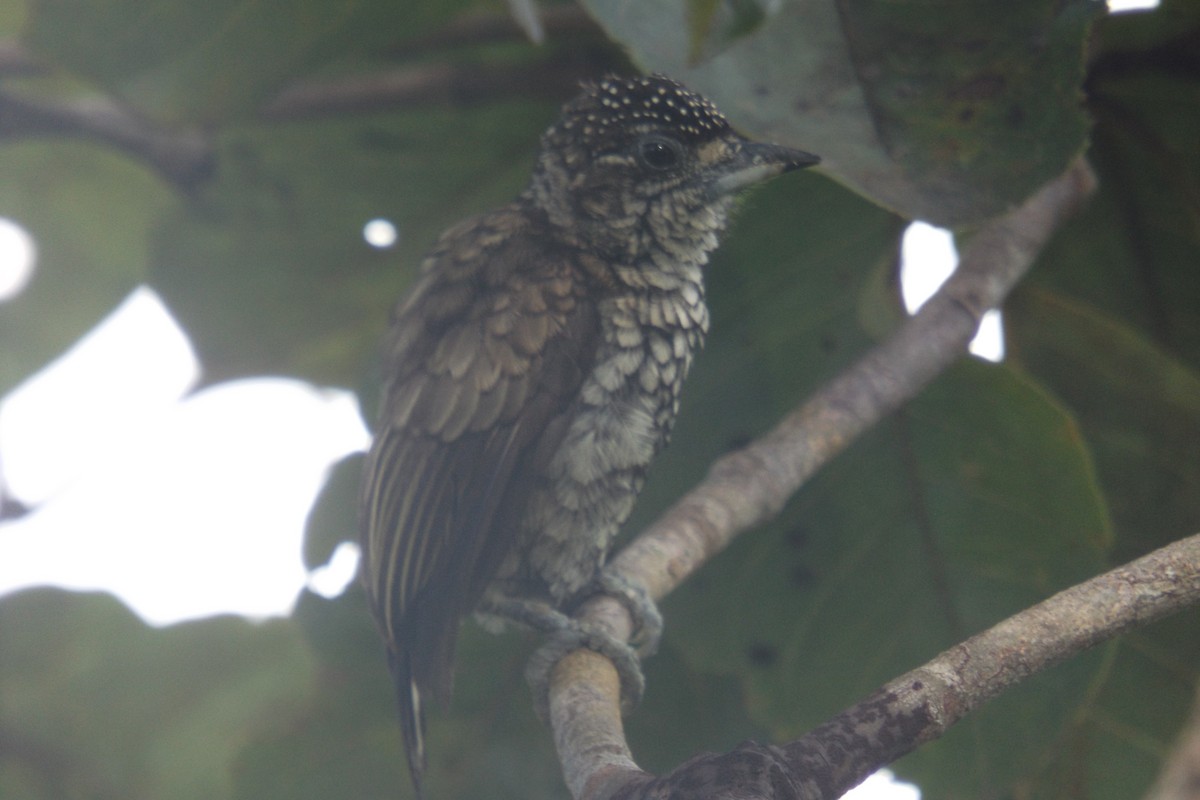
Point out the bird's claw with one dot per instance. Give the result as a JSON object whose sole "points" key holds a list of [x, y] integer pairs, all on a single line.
{"points": [[565, 634], [576, 635], [647, 620]]}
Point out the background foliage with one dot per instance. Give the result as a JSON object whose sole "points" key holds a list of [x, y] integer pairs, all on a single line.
{"points": [[1001, 484]]}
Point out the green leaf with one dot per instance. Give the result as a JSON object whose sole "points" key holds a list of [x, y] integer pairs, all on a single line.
{"points": [[943, 112], [267, 269], [1132, 252], [701, 18], [1138, 406], [1140, 409], [487, 744], [1128, 728], [975, 502], [89, 211], [12, 16], [212, 61], [346, 742], [104, 706], [713, 25], [1109, 321]]}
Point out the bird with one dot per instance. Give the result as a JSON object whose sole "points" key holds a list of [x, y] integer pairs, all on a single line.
{"points": [[533, 371]]}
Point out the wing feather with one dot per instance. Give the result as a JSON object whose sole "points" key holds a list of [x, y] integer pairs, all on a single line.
{"points": [[483, 366]]}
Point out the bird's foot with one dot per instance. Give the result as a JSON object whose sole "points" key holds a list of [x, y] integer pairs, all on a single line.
{"points": [[576, 635], [563, 635], [536, 614], [647, 620]]}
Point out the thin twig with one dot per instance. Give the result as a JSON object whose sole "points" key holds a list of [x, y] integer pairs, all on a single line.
{"points": [[748, 487]]}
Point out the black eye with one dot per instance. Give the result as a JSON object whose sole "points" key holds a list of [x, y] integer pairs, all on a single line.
{"points": [[660, 153]]}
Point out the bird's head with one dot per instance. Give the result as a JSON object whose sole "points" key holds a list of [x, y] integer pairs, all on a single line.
{"points": [[631, 155]]}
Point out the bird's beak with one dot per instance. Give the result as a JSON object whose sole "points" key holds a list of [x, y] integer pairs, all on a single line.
{"points": [[755, 162]]}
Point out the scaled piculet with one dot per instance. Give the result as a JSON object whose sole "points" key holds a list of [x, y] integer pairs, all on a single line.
{"points": [[533, 370]]}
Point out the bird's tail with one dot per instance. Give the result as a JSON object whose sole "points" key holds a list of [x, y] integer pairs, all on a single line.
{"points": [[412, 718]]}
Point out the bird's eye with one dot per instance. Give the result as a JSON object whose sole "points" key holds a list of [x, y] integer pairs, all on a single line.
{"points": [[659, 153]]}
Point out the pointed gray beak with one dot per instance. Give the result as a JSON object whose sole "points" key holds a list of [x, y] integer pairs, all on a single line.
{"points": [[756, 162]]}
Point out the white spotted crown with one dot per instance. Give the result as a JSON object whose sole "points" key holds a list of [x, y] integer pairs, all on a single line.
{"points": [[610, 112]]}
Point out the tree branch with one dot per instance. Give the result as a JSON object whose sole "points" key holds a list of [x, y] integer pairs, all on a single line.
{"points": [[749, 486], [186, 156], [181, 156], [922, 705], [449, 84]]}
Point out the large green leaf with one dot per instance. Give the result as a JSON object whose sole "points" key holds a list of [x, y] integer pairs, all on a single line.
{"points": [[1110, 322], [263, 260], [1140, 409], [942, 111], [90, 212], [975, 502], [1133, 251], [218, 59], [1131, 723], [267, 268], [93, 703], [1138, 406], [488, 744]]}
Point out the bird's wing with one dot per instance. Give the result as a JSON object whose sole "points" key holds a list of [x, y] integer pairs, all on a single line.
{"points": [[485, 361]]}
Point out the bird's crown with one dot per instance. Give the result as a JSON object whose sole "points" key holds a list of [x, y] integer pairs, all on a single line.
{"points": [[608, 113]]}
